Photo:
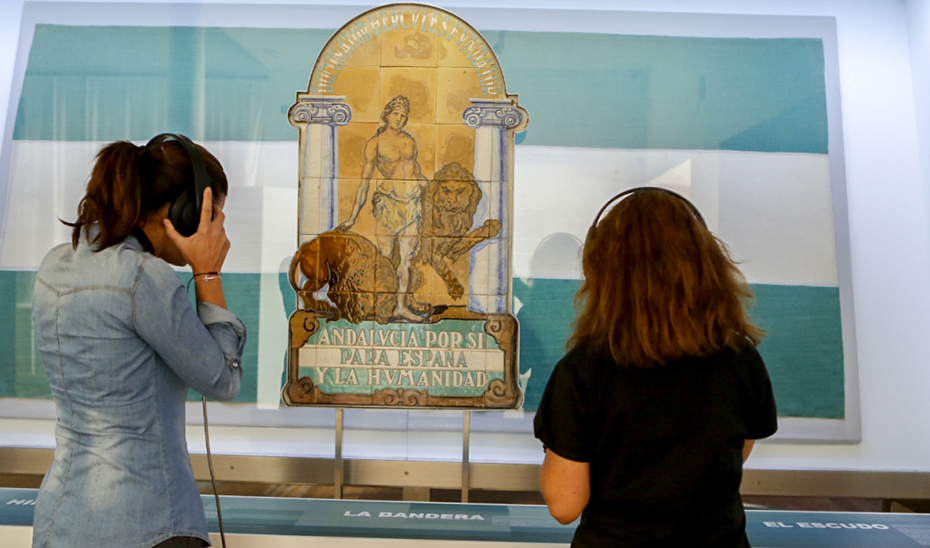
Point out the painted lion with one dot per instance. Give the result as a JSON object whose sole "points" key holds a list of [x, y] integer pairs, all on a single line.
{"points": [[360, 283], [449, 205]]}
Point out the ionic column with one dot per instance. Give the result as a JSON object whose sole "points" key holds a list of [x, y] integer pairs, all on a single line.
{"points": [[317, 117], [489, 269]]}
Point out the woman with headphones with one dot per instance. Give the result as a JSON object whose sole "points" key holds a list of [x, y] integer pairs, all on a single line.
{"points": [[650, 415], [122, 345]]}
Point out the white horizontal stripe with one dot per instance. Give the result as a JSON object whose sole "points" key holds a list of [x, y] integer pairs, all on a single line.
{"points": [[774, 210], [48, 179]]}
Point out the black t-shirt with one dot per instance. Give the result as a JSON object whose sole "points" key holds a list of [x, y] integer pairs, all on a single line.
{"points": [[664, 444]]}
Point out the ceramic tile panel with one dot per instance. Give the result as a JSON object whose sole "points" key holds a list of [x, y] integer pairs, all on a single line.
{"points": [[489, 220], [411, 41], [463, 46], [403, 269], [455, 143], [357, 152], [360, 145], [351, 46], [480, 266], [301, 272], [417, 85], [449, 269], [360, 351], [455, 386], [457, 364], [362, 43], [353, 139], [304, 238], [474, 359], [455, 88], [346, 354], [498, 273], [469, 50], [309, 364], [361, 87], [486, 144], [423, 279], [491, 155], [311, 156], [428, 152], [386, 303], [309, 206]]}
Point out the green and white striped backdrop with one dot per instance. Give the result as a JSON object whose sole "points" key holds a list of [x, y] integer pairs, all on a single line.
{"points": [[740, 123]]}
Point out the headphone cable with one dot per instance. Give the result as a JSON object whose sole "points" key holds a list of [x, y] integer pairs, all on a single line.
{"points": [[206, 436]]}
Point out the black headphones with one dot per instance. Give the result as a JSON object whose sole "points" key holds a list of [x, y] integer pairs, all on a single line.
{"points": [[184, 212], [625, 193]]}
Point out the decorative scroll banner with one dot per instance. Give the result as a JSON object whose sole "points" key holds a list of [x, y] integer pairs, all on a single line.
{"points": [[405, 221]]}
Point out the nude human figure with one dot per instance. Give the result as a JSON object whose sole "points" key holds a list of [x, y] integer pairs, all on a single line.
{"points": [[397, 199]]}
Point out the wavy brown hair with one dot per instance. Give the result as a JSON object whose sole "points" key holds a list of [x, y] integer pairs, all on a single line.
{"points": [[659, 286], [129, 183]]}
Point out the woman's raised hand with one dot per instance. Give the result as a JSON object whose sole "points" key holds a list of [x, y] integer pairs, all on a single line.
{"points": [[204, 250]]}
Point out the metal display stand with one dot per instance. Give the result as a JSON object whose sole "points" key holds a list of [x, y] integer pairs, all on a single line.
{"points": [[339, 467], [466, 434]]}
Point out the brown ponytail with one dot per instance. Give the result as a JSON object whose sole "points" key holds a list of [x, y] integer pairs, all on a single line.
{"points": [[129, 183], [113, 196]]}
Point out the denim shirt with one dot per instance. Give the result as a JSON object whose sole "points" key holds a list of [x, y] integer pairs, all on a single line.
{"points": [[121, 345]]}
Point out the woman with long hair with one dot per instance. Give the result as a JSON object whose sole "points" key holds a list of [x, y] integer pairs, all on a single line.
{"points": [[650, 415], [122, 345]]}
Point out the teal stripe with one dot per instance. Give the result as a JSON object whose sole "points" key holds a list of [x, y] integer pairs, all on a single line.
{"points": [[107, 83], [803, 348], [657, 92], [545, 317], [22, 374], [582, 90]]}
